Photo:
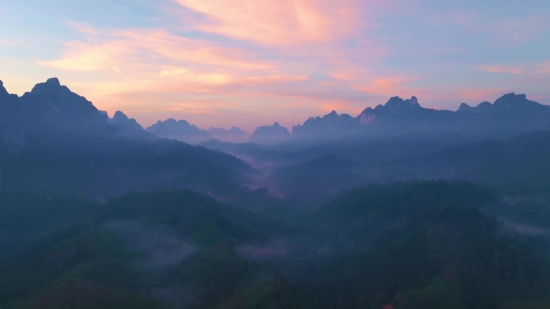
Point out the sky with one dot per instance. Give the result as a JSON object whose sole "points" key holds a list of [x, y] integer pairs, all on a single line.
{"points": [[253, 62]]}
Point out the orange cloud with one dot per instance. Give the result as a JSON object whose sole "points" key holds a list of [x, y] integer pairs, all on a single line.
{"points": [[191, 107], [385, 85], [336, 106], [103, 51], [173, 71], [155, 60], [501, 69], [281, 22], [83, 56]]}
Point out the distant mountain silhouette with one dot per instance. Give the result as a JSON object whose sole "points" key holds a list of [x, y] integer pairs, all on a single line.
{"points": [[48, 107], [51, 106], [232, 135], [120, 119], [510, 108], [508, 103], [329, 122], [270, 134], [221, 131], [180, 130], [55, 141], [62, 100]]}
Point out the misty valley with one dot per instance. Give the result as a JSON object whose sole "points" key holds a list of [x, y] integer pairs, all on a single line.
{"points": [[398, 207]]}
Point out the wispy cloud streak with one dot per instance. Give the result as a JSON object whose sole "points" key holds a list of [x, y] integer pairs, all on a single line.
{"points": [[501, 69]]}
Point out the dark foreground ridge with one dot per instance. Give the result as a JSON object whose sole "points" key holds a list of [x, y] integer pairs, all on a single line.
{"points": [[420, 244]]}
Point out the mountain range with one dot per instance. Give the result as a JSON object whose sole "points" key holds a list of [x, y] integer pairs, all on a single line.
{"points": [[186, 132], [180, 130], [232, 135], [510, 112], [56, 107]]}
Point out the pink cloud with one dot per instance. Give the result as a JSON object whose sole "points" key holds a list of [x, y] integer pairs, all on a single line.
{"points": [[282, 22], [543, 68], [385, 85], [138, 47], [501, 69], [527, 69]]}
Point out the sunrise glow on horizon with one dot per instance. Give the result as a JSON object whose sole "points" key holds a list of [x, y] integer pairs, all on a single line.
{"points": [[245, 63]]}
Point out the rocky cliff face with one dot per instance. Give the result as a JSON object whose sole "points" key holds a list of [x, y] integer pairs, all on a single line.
{"points": [[64, 101], [13, 139]]}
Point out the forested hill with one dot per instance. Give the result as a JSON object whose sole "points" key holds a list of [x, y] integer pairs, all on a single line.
{"points": [[135, 251], [422, 244], [408, 245]]}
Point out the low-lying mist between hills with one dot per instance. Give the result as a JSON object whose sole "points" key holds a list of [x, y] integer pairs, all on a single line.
{"points": [[160, 247]]}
